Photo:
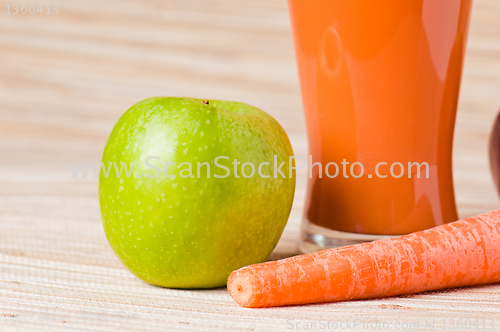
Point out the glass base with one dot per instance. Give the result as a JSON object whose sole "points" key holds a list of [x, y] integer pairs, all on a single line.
{"points": [[315, 238]]}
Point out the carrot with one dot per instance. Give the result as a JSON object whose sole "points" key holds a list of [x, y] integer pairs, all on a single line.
{"points": [[461, 253]]}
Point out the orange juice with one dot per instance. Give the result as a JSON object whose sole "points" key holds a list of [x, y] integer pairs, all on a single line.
{"points": [[380, 83]]}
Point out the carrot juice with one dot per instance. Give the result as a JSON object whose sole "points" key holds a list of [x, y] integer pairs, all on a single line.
{"points": [[380, 83]]}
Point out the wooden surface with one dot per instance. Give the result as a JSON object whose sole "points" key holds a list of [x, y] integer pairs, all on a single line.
{"points": [[64, 81]]}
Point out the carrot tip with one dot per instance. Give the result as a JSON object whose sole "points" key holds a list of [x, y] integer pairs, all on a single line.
{"points": [[241, 288]]}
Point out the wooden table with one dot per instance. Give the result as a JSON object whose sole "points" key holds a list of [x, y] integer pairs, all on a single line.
{"points": [[66, 78]]}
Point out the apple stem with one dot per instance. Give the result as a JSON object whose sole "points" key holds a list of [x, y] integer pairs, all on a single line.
{"points": [[205, 101]]}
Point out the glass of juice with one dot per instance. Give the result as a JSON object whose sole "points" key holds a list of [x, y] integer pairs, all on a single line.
{"points": [[380, 83]]}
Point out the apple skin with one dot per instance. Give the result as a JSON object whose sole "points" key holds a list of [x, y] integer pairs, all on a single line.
{"points": [[193, 232], [494, 152]]}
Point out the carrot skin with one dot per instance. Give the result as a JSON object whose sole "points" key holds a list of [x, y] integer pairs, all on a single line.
{"points": [[461, 253]]}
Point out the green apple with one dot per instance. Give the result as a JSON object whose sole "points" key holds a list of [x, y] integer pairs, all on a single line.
{"points": [[174, 222]]}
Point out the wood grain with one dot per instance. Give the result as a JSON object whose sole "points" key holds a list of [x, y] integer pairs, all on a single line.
{"points": [[64, 81]]}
